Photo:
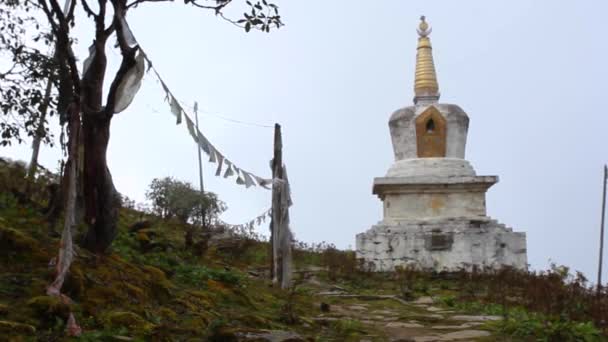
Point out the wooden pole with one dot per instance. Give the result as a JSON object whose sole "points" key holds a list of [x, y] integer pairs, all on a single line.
{"points": [[200, 168], [277, 173], [599, 272]]}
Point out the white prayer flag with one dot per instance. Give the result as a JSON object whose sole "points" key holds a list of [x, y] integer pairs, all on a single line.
{"points": [[239, 180], [191, 129], [203, 143], [263, 182], [176, 109], [130, 84], [248, 180], [229, 171], [220, 162], [212, 153]]}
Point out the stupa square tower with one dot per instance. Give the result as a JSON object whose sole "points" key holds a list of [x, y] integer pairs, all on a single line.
{"points": [[434, 202]]}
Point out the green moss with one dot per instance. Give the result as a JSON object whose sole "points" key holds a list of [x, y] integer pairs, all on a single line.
{"points": [[167, 314], [128, 320], [135, 293], [8, 328], [47, 306], [15, 241]]}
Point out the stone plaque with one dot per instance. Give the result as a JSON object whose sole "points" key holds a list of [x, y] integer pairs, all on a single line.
{"points": [[438, 241], [431, 134]]}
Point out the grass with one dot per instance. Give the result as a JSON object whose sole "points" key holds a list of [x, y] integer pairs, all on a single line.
{"points": [[169, 292]]}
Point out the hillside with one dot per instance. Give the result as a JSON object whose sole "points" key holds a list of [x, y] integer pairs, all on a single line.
{"points": [[151, 286]]}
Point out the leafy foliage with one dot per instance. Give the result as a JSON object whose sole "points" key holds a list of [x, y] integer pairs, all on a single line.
{"points": [[175, 198], [24, 73], [198, 275]]}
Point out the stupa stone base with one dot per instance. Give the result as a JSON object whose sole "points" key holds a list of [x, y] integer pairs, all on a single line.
{"points": [[445, 244]]}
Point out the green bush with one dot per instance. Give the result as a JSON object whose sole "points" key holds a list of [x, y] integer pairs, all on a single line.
{"points": [[521, 324], [197, 275]]}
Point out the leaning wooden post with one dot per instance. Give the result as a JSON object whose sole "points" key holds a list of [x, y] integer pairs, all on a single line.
{"points": [[599, 272], [277, 173], [200, 169]]}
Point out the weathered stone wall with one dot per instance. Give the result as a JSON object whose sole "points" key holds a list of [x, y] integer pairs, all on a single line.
{"points": [[442, 167], [433, 205], [442, 245]]}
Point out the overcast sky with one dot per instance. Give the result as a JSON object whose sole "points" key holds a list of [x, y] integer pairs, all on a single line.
{"points": [[530, 74]]}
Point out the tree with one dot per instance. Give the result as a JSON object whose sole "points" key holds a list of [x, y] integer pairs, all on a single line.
{"points": [[174, 198], [25, 91], [84, 96]]}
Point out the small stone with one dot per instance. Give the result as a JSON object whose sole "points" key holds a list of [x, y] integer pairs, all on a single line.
{"points": [[475, 318], [424, 300], [390, 319], [404, 325], [434, 309], [383, 312], [435, 316], [425, 339], [358, 308], [464, 335], [449, 327]]}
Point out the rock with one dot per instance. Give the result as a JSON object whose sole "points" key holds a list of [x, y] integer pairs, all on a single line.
{"points": [[464, 335], [424, 300], [330, 293], [449, 327], [390, 319], [434, 309], [325, 320], [8, 328], [253, 274], [404, 325], [425, 339], [384, 312], [475, 318], [433, 316], [359, 307], [269, 336]]}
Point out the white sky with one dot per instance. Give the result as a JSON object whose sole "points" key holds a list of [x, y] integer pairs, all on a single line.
{"points": [[530, 74]]}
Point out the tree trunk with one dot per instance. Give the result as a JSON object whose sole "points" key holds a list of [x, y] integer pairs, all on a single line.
{"points": [[33, 167], [101, 198]]}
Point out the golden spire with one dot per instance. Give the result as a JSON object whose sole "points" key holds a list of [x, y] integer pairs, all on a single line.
{"points": [[425, 84]]}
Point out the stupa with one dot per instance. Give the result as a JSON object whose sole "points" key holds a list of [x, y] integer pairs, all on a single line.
{"points": [[434, 202]]}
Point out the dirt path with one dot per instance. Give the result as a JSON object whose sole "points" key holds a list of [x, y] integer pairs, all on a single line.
{"points": [[392, 319]]}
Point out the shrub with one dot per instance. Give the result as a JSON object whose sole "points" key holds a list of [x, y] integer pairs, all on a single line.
{"points": [[174, 198]]}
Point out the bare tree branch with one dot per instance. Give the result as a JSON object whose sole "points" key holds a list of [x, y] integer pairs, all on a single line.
{"points": [[88, 10], [137, 2]]}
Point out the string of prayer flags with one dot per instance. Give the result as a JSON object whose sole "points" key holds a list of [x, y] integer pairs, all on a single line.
{"points": [[133, 83], [225, 167], [247, 227]]}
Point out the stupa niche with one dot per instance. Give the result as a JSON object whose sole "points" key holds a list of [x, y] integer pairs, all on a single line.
{"points": [[434, 203]]}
